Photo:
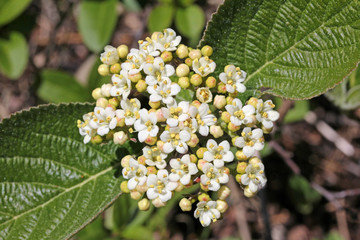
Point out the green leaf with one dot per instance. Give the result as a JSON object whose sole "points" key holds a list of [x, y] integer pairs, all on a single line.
{"points": [[293, 48], [14, 55], [51, 183], [298, 112], [9, 10], [185, 95], [160, 18], [97, 20], [93, 231], [57, 86], [132, 5], [190, 21]]}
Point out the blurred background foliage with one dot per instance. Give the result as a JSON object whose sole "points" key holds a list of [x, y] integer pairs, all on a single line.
{"points": [[49, 52]]}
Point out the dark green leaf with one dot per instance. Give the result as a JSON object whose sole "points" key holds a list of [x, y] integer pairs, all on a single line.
{"points": [[97, 20], [296, 48], [190, 21], [14, 55], [132, 5], [160, 18], [93, 231], [10, 9], [185, 95], [298, 112], [51, 183], [59, 87]]}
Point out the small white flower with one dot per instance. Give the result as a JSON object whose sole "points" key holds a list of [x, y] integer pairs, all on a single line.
{"points": [[175, 139], [265, 113], [203, 66], [146, 125], [130, 110], [182, 169], [233, 78], [122, 84], [110, 56], [135, 61], [250, 141], [207, 212], [160, 186], [213, 177], [158, 71], [167, 41], [149, 47], [164, 92], [104, 120], [85, 129], [154, 157], [205, 119], [204, 95], [136, 173], [240, 115], [218, 153], [254, 176]]}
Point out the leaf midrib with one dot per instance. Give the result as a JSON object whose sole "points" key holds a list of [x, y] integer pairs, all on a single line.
{"points": [[293, 46], [92, 177]]}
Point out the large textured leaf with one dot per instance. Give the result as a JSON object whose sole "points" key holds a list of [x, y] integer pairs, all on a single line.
{"points": [[9, 10], [160, 18], [51, 184], [292, 48], [97, 20]]}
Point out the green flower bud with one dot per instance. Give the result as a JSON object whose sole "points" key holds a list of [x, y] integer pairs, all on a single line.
{"points": [[154, 105], [120, 137], [238, 178], [96, 139], [166, 56], [222, 206], [102, 102], [232, 127], [185, 205], [222, 88], [182, 51], [184, 82], [210, 82], [115, 68], [125, 161], [96, 93], [149, 59], [114, 102], [194, 140], [206, 50], [188, 62], [200, 152], [151, 170], [240, 156], [182, 70], [241, 166], [124, 187], [196, 80], [158, 203], [135, 195], [122, 51], [224, 192], [193, 158], [225, 116], [195, 53], [135, 77], [104, 70], [204, 197], [253, 101], [141, 86], [219, 101], [216, 131], [144, 204], [248, 193]]}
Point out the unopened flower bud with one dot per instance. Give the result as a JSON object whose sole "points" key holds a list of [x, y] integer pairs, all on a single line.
{"points": [[210, 82], [149, 59], [254, 161], [135, 195], [158, 203], [200, 152], [204, 197], [144, 204], [182, 70], [240, 155], [125, 161], [219, 101], [194, 140], [233, 127], [266, 130], [225, 116], [154, 105], [241, 166], [248, 193], [221, 88], [184, 82], [196, 103], [182, 51], [204, 187], [238, 178], [193, 158], [160, 145], [188, 62], [142, 188], [104, 70], [224, 192], [96, 139], [204, 95], [96, 93], [141, 86], [150, 140], [124, 187], [229, 100], [201, 163], [216, 131], [160, 115], [166, 56], [135, 77], [115, 68], [120, 137], [151, 170], [121, 122], [105, 89], [141, 159], [179, 187], [221, 205], [196, 80], [114, 102], [122, 51], [195, 53], [102, 102], [207, 50], [253, 101], [185, 205]]}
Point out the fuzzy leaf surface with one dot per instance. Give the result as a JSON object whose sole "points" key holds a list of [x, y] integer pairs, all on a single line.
{"points": [[291, 48], [51, 184]]}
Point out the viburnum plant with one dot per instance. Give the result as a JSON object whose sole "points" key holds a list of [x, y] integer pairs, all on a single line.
{"points": [[185, 142], [195, 113]]}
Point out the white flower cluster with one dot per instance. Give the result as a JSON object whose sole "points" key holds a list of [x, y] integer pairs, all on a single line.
{"points": [[161, 96]]}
